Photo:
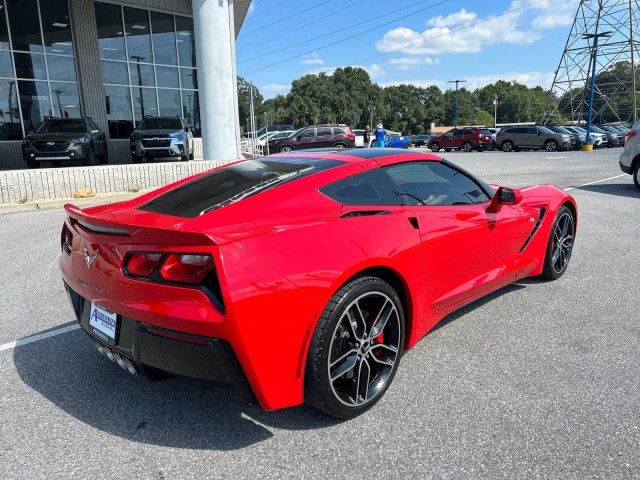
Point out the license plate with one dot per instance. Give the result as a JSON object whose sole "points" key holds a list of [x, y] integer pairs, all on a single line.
{"points": [[103, 323]]}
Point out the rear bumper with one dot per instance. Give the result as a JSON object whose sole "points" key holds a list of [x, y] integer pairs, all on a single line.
{"points": [[150, 348], [626, 168]]}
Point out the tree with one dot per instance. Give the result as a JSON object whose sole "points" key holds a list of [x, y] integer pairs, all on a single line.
{"points": [[244, 102]]}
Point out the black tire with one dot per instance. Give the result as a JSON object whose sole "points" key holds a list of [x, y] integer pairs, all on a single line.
{"points": [[560, 244], [480, 148], [467, 147], [435, 147], [191, 156], [636, 176], [551, 146], [507, 146], [285, 148], [104, 158], [184, 158], [340, 145], [136, 158], [90, 156], [32, 163], [339, 331]]}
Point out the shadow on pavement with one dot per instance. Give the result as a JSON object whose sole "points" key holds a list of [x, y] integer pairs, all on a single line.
{"points": [[619, 189], [181, 412]]}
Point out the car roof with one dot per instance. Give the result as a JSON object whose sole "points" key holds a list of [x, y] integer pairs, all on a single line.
{"points": [[361, 155]]}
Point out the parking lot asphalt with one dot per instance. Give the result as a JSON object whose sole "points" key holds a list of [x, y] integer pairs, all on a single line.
{"points": [[538, 380]]}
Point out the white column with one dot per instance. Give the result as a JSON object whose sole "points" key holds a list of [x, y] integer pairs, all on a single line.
{"points": [[215, 57]]}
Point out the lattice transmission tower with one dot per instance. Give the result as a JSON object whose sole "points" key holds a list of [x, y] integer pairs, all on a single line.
{"points": [[617, 73]]}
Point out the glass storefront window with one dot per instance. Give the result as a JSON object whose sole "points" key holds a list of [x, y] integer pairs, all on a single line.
{"points": [[142, 75], [169, 102], [61, 68], [186, 42], [30, 65], [25, 26], [115, 72], [137, 35], [189, 78], [110, 31], [10, 125], [164, 38], [56, 27], [191, 110], [6, 67], [118, 101], [167, 77], [66, 100], [35, 102], [144, 103], [4, 32]]}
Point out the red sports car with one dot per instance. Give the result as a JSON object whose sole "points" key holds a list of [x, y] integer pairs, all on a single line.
{"points": [[303, 276]]}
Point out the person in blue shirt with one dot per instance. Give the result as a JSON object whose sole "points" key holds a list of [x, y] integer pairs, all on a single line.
{"points": [[379, 135]]}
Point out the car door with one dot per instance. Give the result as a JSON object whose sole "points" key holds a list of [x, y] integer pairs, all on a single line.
{"points": [[447, 139], [470, 246], [98, 138], [306, 139], [324, 137]]}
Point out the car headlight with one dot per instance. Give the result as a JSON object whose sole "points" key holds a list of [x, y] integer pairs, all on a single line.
{"points": [[79, 141], [179, 135], [136, 136]]}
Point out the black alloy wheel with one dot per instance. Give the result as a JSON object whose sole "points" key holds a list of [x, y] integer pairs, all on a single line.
{"points": [[356, 348], [507, 146], [467, 147], [551, 146], [560, 244], [435, 147]]}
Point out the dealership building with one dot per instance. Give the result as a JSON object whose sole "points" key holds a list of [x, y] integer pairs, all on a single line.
{"points": [[117, 62]]}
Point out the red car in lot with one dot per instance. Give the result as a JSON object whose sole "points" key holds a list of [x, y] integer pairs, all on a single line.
{"points": [[303, 276], [466, 139]]}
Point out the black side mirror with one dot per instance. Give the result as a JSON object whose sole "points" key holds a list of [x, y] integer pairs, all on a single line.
{"points": [[509, 196], [186, 129]]}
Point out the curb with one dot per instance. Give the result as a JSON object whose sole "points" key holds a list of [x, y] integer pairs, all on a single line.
{"points": [[60, 202]]}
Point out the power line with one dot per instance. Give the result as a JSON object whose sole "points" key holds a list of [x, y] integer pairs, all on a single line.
{"points": [[348, 27], [335, 42], [283, 18]]}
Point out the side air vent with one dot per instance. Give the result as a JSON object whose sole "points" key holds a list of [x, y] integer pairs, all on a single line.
{"points": [[541, 215], [365, 213]]}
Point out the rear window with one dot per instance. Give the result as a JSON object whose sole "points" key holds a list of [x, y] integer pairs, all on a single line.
{"points": [[233, 183], [485, 131], [160, 124]]}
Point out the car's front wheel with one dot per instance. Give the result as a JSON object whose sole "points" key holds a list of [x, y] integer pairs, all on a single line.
{"points": [[286, 148], [551, 146], [356, 348], [435, 147], [636, 176], [467, 147], [507, 146], [560, 244]]}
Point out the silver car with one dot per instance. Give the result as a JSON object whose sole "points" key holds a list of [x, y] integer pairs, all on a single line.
{"points": [[630, 156], [157, 137]]}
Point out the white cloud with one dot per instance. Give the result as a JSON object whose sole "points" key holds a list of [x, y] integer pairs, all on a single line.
{"points": [[467, 32], [273, 89], [530, 79], [374, 70], [312, 59], [411, 63]]}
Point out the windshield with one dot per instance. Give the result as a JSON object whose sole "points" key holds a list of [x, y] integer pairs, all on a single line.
{"points": [[580, 129], [231, 184], [485, 131], [597, 130], [545, 130], [62, 126], [160, 124], [562, 130]]}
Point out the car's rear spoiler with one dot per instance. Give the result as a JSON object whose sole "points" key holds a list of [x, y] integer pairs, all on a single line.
{"points": [[143, 234]]}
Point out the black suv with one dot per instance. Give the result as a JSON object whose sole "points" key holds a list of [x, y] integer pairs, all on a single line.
{"points": [[316, 136], [59, 139]]}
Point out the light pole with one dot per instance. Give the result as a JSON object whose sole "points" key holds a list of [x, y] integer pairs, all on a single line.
{"points": [[594, 57], [495, 111], [455, 108]]}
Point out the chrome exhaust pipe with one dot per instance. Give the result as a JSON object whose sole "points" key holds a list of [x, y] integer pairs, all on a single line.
{"points": [[129, 366], [118, 360]]}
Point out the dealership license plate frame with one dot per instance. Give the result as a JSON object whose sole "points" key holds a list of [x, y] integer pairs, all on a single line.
{"points": [[104, 326]]}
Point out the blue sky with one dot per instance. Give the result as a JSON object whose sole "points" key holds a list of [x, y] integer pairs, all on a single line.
{"points": [[404, 41]]}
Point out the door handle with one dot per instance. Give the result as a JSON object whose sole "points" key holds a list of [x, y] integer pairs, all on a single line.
{"points": [[414, 222]]}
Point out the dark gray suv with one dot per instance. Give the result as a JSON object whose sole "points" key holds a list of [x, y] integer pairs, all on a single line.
{"points": [[163, 137], [516, 138]]}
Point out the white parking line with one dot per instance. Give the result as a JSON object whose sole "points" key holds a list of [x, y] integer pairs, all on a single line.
{"points": [[38, 337], [597, 181], [555, 158]]}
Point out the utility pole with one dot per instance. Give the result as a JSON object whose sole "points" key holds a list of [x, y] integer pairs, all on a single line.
{"points": [[495, 111], [594, 58], [455, 108], [138, 58]]}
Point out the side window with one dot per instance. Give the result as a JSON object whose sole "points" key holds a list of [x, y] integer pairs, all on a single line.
{"points": [[467, 132], [434, 183], [449, 133], [310, 132], [340, 131], [324, 132], [369, 188], [533, 131], [458, 133]]}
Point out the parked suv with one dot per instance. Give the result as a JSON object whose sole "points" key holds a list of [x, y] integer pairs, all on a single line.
{"points": [[466, 139], [162, 137], [578, 139], [515, 138], [630, 156], [316, 136], [59, 139]]}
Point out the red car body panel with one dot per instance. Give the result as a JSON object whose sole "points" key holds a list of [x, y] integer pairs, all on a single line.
{"points": [[281, 255]]}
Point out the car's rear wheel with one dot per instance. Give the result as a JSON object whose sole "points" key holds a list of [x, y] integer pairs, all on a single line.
{"points": [[551, 146], [286, 148], [467, 147], [507, 146], [560, 244], [636, 176], [435, 147], [355, 349], [340, 145]]}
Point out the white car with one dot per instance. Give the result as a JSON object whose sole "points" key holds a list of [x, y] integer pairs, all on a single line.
{"points": [[359, 138], [630, 156], [262, 139]]}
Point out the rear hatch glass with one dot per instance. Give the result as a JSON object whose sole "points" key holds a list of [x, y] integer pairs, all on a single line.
{"points": [[233, 183]]}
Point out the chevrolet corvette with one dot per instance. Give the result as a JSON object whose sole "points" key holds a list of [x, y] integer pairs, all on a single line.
{"points": [[303, 276]]}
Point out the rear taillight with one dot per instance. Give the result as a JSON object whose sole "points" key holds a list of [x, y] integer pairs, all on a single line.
{"points": [[186, 268], [351, 135], [630, 134], [142, 264]]}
